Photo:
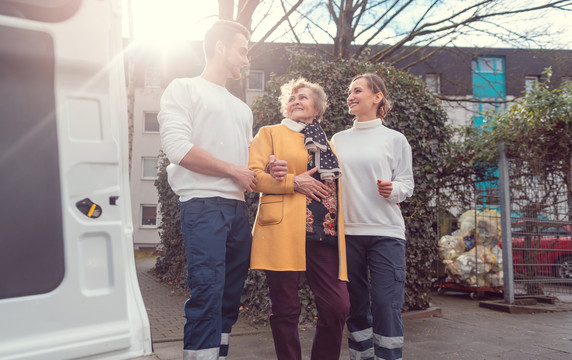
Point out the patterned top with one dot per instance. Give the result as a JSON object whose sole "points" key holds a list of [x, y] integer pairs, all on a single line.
{"points": [[321, 217]]}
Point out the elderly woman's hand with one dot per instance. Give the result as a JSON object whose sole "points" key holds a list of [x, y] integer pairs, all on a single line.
{"points": [[307, 185], [277, 168]]}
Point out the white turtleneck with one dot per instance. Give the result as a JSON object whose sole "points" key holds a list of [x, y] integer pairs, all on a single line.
{"points": [[367, 152]]}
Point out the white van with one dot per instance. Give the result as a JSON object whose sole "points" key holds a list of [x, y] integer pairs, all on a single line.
{"points": [[68, 286]]}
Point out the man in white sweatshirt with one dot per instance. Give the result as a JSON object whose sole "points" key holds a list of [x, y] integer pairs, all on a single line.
{"points": [[205, 133]]}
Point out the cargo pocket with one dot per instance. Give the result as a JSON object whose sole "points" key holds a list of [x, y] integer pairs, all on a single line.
{"points": [[202, 276], [399, 275], [271, 209]]}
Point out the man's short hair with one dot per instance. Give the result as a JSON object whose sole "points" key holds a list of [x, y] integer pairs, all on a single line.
{"points": [[222, 30]]}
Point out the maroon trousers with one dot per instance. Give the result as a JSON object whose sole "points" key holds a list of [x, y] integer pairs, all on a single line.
{"points": [[332, 302]]}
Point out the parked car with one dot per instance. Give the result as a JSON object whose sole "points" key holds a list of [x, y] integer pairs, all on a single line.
{"points": [[542, 249]]}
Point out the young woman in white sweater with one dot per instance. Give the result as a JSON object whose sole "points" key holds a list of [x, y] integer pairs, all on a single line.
{"points": [[377, 176]]}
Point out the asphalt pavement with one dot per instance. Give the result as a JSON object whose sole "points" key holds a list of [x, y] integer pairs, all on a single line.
{"points": [[455, 327]]}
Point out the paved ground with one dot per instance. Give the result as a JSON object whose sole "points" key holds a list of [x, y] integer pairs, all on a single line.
{"points": [[463, 331]]}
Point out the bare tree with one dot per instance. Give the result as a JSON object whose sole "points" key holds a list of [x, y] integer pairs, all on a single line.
{"points": [[245, 10], [422, 23]]}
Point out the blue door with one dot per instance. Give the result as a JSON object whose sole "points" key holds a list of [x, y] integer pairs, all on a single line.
{"points": [[489, 86]]}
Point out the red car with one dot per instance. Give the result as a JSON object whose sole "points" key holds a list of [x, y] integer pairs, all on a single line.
{"points": [[542, 249]]}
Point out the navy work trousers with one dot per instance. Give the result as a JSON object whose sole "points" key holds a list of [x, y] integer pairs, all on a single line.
{"points": [[217, 241], [375, 326]]}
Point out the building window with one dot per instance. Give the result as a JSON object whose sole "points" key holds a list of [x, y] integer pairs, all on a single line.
{"points": [[153, 77], [151, 123], [492, 64], [149, 216], [433, 83], [530, 82], [488, 78], [256, 80], [149, 168]]}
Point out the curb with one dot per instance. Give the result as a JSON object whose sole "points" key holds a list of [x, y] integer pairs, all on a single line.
{"points": [[529, 308]]}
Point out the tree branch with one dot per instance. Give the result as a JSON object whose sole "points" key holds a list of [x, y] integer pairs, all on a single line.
{"points": [[245, 10], [284, 17], [382, 27], [424, 29], [290, 23]]}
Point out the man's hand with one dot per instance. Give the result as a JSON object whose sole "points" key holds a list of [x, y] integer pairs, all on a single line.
{"points": [[384, 187], [244, 177], [277, 168], [307, 185]]}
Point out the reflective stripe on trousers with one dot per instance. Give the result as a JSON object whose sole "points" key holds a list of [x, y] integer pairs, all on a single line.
{"points": [[203, 354], [380, 341], [207, 354]]}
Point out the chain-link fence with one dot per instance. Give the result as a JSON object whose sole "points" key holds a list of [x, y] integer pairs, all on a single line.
{"points": [[541, 233], [537, 259]]}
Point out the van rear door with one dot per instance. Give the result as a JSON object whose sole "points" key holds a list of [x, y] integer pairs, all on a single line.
{"points": [[68, 286]]}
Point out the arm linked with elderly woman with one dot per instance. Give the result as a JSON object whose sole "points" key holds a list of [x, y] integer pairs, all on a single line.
{"points": [[299, 225]]}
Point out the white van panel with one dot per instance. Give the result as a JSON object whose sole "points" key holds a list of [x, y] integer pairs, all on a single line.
{"points": [[78, 233]]}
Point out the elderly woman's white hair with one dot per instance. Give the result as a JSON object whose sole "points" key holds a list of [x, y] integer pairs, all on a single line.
{"points": [[318, 95]]}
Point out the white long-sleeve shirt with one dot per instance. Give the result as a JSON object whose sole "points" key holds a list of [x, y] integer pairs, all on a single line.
{"points": [[367, 152], [195, 111]]}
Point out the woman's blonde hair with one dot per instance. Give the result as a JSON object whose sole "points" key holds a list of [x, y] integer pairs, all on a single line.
{"points": [[318, 95], [376, 85]]}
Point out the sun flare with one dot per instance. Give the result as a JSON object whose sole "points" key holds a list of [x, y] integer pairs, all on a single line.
{"points": [[168, 21]]}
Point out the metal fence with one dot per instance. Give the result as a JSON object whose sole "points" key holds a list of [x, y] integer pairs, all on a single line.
{"points": [[516, 239], [540, 231]]}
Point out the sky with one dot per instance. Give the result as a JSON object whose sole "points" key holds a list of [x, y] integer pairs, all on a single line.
{"points": [[170, 21]]}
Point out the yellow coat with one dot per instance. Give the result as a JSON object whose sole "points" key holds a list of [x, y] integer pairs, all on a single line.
{"points": [[279, 234]]}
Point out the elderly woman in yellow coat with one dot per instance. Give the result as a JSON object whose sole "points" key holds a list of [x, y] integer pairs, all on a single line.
{"points": [[299, 225]]}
